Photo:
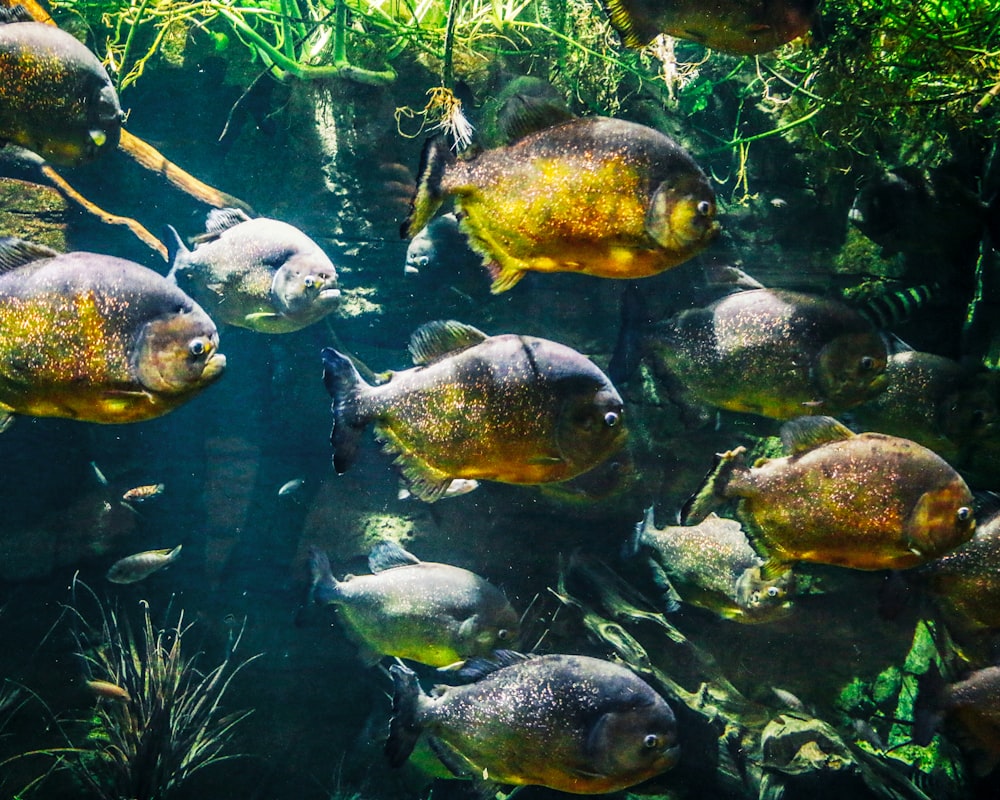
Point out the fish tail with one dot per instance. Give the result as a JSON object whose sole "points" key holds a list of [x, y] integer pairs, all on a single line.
{"points": [[638, 538], [404, 729], [345, 386], [324, 586], [627, 353], [434, 160], [175, 247], [713, 488], [927, 706]]}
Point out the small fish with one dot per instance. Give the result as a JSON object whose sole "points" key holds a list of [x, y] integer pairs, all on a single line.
{"points": [[514, 409], [456, 488], [261, 274], [866, 501], [140, 494], [141, 565], [109, 690], [572, 723], [598, 196], [56, 98], [97, 338], [101, 479], [775, 353], [432, 613], [748, 27], [290, 487], [712, 565]]}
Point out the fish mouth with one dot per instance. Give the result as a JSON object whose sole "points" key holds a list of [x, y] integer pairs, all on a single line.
{"points": [[669, 756], [329, 295], [214, 368]]}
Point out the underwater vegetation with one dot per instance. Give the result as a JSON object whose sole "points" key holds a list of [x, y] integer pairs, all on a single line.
{"points": [[158, 717]]}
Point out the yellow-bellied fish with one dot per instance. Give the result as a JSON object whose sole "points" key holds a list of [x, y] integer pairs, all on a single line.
{"points": [[140, 494], [55, 97], [598, 196], [572, 723], [509, 408], [866, 501], [97, 338], [108, 690], [776, 353], [139, 566], [261, 274], [733, 26], [433, 613], [712, 565]]}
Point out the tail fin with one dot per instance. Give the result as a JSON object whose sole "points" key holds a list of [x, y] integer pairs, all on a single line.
{"points": [[434, 160], [633, 546], [324, 585], [345, 385], [175, 248], [713, 489], [628, 353], [404, 730]]}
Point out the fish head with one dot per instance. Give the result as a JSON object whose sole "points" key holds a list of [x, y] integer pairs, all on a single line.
{"points": [[420, 252], [491, 629], [636, 738], [942, 519], [94, 126], [764, 599], [305, 284], [851, 368], [591, 424], [177, 352], [681, 214]]}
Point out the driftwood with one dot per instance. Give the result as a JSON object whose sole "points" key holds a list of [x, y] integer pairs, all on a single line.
{"points": [[742, 748]]}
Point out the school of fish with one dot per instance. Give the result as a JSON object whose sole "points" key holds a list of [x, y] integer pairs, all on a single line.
{"points": [[100, 339]]}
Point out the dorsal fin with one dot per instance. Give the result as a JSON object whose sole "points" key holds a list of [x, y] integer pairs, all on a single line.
{"points": [[440, 338], [16, 252], [476, 669], [807, 433], [533, 105], [220, 219], [387, 555], [16, 14]]}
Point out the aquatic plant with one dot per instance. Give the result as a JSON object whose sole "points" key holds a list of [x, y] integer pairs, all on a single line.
{"points": [[159, 719]]}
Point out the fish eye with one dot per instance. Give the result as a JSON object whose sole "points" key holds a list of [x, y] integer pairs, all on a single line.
{"points": [[867, 363], [197, 347], [651, 741], [704, 207], [309, 282], [503, 634], [773, 591], [611, 418], [964, 514]]}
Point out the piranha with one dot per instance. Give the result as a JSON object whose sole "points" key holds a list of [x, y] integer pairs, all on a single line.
{"points": [[866, 501], [97, 338], [261, 274], [140, 566], [509, 408], [432, 613], [965, 584], [713, 565], [747, 27], [916, 403], [55, 97], [775, 353], [598, 196], [572, 723]]}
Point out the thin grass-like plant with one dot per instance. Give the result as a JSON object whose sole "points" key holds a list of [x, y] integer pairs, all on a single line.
{"points": [[159, 719]]}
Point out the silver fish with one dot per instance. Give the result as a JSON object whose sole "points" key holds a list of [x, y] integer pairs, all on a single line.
{"points": [[141, 565]]}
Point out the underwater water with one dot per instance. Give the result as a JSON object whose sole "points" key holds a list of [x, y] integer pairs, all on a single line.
{"points": [[842, 681]]}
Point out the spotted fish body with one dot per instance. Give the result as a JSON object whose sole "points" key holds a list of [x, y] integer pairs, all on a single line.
{"points": [[775, 353], [509, 408], [97, 338], [435, 614], [572, 723], [747, 27], [713, 565], [866, 501], [598, 196], [55, 97]]}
